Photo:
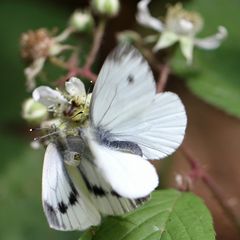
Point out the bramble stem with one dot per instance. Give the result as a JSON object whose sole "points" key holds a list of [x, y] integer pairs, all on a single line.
{"points": [[97, 40], [163, 77], [219, 194], [72, 64]]}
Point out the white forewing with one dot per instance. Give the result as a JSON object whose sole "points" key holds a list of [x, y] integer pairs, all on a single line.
{"points": [[125, 87], [129, 175], [159, 130], [66, 206]]}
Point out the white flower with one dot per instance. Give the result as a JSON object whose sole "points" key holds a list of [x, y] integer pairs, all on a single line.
{"points": [[179, 26], [73, 103], [36, 47]]}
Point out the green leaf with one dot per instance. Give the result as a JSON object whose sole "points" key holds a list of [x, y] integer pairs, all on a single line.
{"points": [[214, 76], [87, 235], [169, 215]]}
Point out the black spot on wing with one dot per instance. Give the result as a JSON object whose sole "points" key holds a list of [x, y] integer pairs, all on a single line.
{"points": [[97, 191], [51, 214], [72, 198], [130, 79], [115, 194], [62, 207]]}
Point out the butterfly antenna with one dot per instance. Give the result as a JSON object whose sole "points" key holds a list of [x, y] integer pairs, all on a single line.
{"points": [[38, 129], [47, 135]]}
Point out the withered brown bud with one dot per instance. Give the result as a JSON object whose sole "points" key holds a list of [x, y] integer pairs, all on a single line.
{"points": [[35, 44]]}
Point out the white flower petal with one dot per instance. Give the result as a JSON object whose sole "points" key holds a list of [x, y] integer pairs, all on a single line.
{"points": [[166, 40], [75, 87], [214, 41], [144, 17], [88, 100], [47, 96], [186, 45]]}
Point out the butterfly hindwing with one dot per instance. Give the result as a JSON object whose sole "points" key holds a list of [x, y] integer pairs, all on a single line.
{"points": [[102, 194], [130, 175], [66, 207]]}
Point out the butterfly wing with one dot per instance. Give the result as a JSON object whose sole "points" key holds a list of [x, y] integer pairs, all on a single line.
{"points": [[104, 197], [125, 104], [66, 206], [159, 130], [129, 175], [125, 87], [102, 194]]}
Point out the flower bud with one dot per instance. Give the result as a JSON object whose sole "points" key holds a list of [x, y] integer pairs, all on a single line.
{"points": [[34, 112], [109, 8], [81, 21]]}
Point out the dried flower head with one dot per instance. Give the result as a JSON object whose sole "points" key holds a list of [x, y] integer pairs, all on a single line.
{"points": [[35, 44]]}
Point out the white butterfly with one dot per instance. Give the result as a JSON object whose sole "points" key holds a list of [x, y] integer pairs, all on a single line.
{"points": [[104, 170]]}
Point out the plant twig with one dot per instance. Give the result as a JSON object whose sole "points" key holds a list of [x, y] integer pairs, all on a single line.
{"points": [[219, 194], [72, 64], [96, 44], [163, 77]]}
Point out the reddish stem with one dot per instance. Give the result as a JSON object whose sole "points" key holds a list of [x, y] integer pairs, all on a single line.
{"points": [[199, 173], [72, 64], [98, 36], [163, 77]]}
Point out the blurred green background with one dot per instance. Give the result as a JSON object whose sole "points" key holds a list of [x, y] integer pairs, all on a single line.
{"points": [[21, 215], [214, 78]]}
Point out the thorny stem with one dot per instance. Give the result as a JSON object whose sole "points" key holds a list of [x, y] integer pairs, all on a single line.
{"points": [[219, 194], [98, 36]]}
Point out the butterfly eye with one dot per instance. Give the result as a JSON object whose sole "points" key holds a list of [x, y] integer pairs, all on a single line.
{"points": [[76, 157]]}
